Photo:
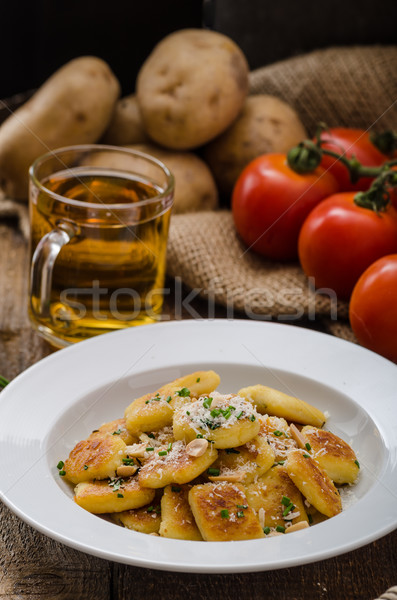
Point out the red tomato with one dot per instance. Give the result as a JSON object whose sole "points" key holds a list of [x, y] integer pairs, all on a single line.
{"points": [[339, 240], [351, 142], [270, 203], [373, 307]]}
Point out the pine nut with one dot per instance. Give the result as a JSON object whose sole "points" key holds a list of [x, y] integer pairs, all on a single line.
{"points": [[297, 436], [126, 470], [297, 527], [137, 450], [197, 447]]}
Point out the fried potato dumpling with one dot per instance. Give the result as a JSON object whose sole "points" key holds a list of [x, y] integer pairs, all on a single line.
{"points": [[115, 495], [313, 482], [333, 454], [225, 420], [276, 432], [222, 512], [95, 458], [177, 519], [145, 520], [154, 411], [273, 402], [276, 499], [117, 427], [244, 463], [173, 464]]}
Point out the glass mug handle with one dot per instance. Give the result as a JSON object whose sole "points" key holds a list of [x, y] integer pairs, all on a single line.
{"points": [[43, 261]]}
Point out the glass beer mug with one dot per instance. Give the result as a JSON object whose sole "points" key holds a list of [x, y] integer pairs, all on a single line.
{"points": [[99, 226]]}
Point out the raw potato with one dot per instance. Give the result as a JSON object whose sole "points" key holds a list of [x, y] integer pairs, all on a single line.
{"points": [[195, 188], [126, 125], [191, 88], [73, 106], [266, 124]]}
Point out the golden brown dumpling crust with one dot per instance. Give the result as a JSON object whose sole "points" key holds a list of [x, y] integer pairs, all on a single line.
{"points": [[313, 482], [177, 519], [145, 520], [112, 496], [174, 466], [333, 454], [95, 458], [222, 513], [116, 427], [267, 494]]}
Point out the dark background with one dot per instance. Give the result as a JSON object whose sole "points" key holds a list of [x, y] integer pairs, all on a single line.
{"points": [[38, 37]]}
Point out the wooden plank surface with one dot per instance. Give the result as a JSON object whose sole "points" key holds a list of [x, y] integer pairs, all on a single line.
{"points": [[34, 567]]}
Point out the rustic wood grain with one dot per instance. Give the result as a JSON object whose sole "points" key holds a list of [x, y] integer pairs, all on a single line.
{"points": [[34, 567]]}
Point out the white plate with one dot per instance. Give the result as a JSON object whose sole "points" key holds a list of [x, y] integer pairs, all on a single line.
{"points": [[58, 401]]}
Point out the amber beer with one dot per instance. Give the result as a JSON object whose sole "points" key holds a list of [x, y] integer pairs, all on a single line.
{"points": [[109, 271]]}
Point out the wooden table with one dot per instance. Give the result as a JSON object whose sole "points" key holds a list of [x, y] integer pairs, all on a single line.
{"points": [[34, 567]]}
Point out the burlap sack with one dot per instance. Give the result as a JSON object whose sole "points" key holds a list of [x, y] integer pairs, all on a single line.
{"points": [[347, 87], [205, 252]]}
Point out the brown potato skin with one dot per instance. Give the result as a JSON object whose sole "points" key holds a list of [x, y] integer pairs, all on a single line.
{"points": [[191, 88], [195, 187], [73, 106], [126, 125], [266, 124]]}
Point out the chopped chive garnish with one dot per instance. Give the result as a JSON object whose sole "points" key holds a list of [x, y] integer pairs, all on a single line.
{"points": [[60, 465], [150, 509], [252, 418], [120, 496], [357, 463], [188, 412], [224, 513], [240, 513], [306, 456], [281, 462], [215, 412], [310, 519], [85, 467], [183, 393], [128, 461], [280, 529], [198, 379], [199, 436], [149, 449], [266, 530], [147, 401], [240, 414], [3, 382], [163, 453], [117, 432], [151, 435], [232, 451], [244, 506], [213, 472], [175, 488], [62, 473], [285, 500], [207, 402], [289, 508], [169, 447], [277, 433], [169, 399], [308, 447]]}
